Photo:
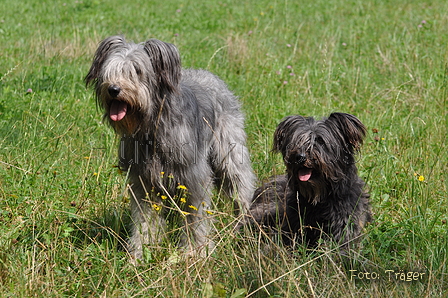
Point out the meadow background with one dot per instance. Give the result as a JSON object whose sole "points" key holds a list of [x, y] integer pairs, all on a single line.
{"points": [[63, 204]]}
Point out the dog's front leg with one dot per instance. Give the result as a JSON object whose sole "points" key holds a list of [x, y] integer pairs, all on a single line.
{"points": [[148, 225]]}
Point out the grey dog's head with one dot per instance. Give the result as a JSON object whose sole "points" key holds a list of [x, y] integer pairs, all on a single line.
{"points": [[131, 80], [319, 154]]}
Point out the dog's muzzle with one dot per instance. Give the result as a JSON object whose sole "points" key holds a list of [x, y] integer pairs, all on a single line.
{"points": [[298, 160], [117, 108]]}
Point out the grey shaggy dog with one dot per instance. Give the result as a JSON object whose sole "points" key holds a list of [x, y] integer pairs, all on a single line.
{"points": [[321, 196], [181, 131]]}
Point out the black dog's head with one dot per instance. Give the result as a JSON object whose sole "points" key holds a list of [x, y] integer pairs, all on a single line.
{"points": [[319, 155]]}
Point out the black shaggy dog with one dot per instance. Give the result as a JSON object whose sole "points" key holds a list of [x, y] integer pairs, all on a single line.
{"points": [[321, 195]]}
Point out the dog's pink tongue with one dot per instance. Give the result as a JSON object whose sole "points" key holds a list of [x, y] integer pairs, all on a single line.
{"points": [[305, 174], [117, 110]]}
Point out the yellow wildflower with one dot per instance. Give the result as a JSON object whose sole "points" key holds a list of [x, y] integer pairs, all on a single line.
{"points": [[183, 200], [421, 178], [163, 197], [180, 186], [209, 212], [156, 207], [193, 207]]}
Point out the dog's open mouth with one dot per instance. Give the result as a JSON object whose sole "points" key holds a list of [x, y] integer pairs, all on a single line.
{"points": [[117, 110], [305, 174]]}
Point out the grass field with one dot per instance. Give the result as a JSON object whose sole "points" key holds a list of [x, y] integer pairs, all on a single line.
{"points": [[63, 207]]}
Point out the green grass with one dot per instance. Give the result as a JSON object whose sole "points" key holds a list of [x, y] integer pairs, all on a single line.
{"points": [[63, 205]]}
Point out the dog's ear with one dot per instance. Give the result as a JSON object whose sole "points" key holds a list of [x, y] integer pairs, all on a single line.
{"points": [[105, 47], [351, 128], [284, 132], [165, 61]]}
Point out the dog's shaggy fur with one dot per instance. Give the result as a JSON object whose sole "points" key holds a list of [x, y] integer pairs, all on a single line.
{"points": [[178, 127], [321, 195]]}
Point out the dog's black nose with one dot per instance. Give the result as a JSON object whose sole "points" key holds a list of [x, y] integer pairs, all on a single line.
{"points": [[300, 158], [113, 90]]}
